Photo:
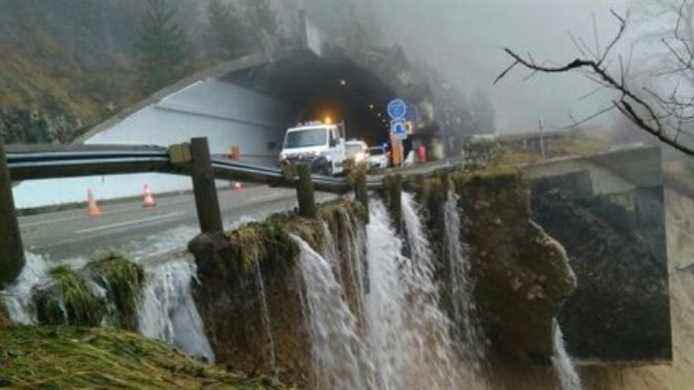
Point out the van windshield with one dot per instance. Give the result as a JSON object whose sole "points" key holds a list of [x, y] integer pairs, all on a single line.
{"points": [[376, 151], [353, 148], [306, 138]]}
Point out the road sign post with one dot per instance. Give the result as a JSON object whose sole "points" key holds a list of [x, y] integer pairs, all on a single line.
{"points": [[397, 109], [399, 128]]}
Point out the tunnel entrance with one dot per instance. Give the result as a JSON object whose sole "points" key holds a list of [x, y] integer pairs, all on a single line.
{"points": [[330, 89]]}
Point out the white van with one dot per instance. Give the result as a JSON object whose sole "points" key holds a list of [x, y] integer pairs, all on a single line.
{"points": [[319, 145]]}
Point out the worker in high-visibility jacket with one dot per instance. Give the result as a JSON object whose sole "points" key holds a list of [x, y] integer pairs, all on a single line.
{"points": [[422, 153]]}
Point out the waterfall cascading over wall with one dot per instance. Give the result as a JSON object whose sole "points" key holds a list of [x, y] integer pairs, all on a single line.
{"points": [[154, 300], [168, 312], [401, 300], [348, 309]]}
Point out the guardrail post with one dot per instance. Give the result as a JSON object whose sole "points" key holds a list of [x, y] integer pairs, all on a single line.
{"points": [[11, 249], [304, 192], [393, 194], [361, 193], [206, 201]]}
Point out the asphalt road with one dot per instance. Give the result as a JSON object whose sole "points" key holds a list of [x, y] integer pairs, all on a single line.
{"points": [[143, 232]]}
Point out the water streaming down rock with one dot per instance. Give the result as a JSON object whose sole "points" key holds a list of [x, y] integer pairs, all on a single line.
{"points": [[18, 297], [563, 365], [388, 337], [408, 334], [460, 285], [337, 350], [345, 247], [265, 316], [168, 311], [435, 351]]}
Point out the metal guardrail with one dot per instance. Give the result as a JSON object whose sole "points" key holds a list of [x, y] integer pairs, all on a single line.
{"points": [[22, 162], [44, 162], [27, 164]]}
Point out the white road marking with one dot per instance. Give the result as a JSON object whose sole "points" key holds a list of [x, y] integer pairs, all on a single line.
{"points": [[133, 222]]}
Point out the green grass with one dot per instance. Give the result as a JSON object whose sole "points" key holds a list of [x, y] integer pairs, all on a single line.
{"points": [[100, 358], [68, 300], [124, 281]]}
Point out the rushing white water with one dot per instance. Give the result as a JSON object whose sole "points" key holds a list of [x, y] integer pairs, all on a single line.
{"points": [[563, 365], [460, 284], [405, 340], [265, 316], [388, 336], [436, 364], [17, 297], [168, 311], [337, 350]]}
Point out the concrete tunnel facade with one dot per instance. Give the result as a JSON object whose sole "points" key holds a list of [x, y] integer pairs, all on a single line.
{"points": [[250, 102]]}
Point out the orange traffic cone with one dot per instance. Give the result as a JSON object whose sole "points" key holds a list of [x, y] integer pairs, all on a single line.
{"points": [[148, 200], [237, 186], [92, 208]]}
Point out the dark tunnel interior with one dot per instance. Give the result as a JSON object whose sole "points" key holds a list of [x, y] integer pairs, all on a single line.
{"points": [[321, 89]]}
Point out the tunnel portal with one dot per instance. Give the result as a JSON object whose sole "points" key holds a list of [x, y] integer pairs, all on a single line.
{"points": [[328, 90]]}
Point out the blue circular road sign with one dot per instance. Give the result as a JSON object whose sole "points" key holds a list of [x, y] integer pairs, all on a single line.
{"points": [[397, 109]]}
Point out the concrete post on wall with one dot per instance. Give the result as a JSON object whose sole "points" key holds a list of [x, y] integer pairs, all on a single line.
{"points": [[206, 201], [11, 249], [392, 187], [305, 192]]}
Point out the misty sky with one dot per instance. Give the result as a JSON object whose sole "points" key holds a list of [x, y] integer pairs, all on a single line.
{"points": [[464, 39]]}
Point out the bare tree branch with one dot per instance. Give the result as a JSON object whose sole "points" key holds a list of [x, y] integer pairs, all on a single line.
{"points": [[663, 116]]}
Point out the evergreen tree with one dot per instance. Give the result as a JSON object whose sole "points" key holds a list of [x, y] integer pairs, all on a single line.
{"points": [[262, 20], [227, 29], [162, 47]]}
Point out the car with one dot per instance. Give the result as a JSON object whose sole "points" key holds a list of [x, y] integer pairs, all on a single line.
{"points": [[357, 150], [378, 158]]}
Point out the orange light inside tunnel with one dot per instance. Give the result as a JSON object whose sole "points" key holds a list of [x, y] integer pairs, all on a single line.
{"points": [[328, 120]]}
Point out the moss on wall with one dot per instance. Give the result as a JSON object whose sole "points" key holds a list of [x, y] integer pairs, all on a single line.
{"points": [[522, 274], [66, 357], [233, 267], [123, 281], [108, 288], [4, 317], [68, 300]]}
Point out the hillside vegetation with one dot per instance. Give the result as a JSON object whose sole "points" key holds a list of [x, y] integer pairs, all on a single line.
{"points": [[70, 64]]}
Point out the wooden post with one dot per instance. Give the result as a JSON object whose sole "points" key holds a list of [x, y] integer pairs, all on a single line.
{"points": [[11, 249], [206, 201], [393, 192], [304, 191], [361, 193]]}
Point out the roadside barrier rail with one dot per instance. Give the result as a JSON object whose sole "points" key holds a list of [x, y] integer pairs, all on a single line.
{"points": [[29, 162]]}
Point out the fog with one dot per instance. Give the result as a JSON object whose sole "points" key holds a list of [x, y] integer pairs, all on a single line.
{"points": [[464, 39]]}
